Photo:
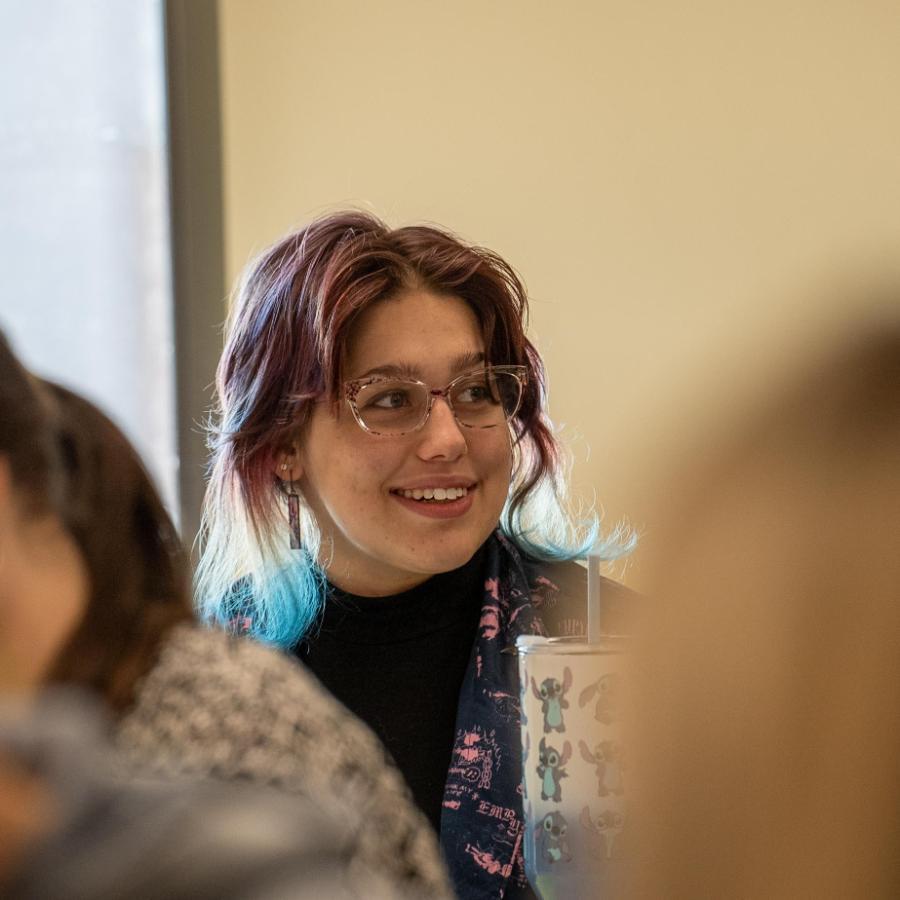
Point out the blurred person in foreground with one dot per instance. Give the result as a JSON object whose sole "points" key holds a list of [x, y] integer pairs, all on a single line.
{"points": [[93, 596], [73, 825], [767, 676]]}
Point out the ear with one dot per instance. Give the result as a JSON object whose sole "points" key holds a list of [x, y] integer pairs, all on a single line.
{"points": [[288, 465], [586, 819]]}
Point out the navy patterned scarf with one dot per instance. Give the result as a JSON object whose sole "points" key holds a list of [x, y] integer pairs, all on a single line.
{"points": [[482, 825]]}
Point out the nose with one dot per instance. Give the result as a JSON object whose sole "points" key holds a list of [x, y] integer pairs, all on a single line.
{"points": [[442, 436]]}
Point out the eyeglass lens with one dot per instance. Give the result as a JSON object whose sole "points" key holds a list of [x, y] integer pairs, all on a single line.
{"points": [[481, 400]]}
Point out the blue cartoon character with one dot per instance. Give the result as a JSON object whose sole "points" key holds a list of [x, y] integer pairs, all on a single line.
{"points": [[550, 770], [609, 765], [552, 695], [551, 838], [606, 689]]}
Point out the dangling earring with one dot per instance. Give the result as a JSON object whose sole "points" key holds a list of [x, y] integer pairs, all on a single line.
{"points": [[293, 505]]}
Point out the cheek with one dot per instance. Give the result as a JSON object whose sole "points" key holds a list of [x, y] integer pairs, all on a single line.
{"points": [[338, 468], [350, 482], [494, 466], [496, 457]]}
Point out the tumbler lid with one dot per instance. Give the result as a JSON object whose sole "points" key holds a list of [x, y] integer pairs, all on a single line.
{"points": [[575, 645]]}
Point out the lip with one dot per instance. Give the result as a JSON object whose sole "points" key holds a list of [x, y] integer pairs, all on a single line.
{"points": [[446, 509], [433, 481]]}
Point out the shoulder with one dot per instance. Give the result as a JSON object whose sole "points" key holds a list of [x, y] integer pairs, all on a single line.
{"points": [[209, 663], [218, 702], [227, 706]]}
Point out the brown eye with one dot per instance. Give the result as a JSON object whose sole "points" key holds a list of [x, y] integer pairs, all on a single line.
{"points": [[395, 399], [473, 393]]}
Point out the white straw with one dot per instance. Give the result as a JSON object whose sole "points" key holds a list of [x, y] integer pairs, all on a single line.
{"points": [[593, 607]]}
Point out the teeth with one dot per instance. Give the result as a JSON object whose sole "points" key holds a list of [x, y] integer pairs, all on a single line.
{"points": [[439, 494]]}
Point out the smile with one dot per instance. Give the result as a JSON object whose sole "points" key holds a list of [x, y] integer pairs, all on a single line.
{"points": [[437, 502], [438, 494]]}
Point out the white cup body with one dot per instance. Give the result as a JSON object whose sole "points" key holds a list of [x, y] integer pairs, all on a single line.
{"points": [[574, 764]]}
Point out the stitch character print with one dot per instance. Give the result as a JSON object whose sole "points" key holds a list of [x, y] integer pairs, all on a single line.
{"points": [[550, 770], [552, 842], [608, 764], [607, 825], [552, 695], [606, 689]]}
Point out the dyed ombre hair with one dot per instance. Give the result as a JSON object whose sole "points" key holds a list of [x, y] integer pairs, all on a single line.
{"points": [[286, 340]]}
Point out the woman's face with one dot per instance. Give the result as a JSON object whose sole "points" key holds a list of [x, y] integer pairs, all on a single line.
{"points": [[379, 541]]}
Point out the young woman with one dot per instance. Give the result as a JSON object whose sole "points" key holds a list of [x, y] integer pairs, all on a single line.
{"points": [[387, 503], [94, 594]]}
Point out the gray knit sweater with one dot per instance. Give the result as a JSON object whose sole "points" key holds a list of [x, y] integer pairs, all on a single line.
{"points": [[231, 708]]}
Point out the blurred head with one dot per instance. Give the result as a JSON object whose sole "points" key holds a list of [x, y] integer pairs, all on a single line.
{"points": [[768, 672], [336, 300], [44, 583], [132, 552]]}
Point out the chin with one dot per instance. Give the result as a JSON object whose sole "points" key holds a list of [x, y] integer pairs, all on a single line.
{"points": [[447, 558]]}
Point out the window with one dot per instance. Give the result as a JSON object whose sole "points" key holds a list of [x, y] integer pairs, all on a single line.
{"points": [[84, 230]]}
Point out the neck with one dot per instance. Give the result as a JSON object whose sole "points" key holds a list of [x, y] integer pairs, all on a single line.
{"points": [[369, 585]]}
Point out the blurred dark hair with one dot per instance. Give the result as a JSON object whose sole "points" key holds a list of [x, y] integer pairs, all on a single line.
{"points": [[136, 563]]}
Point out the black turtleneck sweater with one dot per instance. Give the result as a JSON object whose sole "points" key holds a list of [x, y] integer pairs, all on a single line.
{"points": [[398, 662]]}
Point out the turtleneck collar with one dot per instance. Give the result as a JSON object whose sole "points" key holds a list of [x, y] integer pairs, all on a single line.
{"points": [[431, 606]]}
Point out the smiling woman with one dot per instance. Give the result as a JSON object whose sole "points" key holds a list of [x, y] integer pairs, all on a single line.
{"points": [[387, 502]]}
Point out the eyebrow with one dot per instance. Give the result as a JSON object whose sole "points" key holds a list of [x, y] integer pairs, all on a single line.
{"points": [[407, 370]]}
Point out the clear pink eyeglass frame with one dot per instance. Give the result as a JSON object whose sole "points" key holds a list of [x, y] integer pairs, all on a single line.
{"points": [[352, 389]]}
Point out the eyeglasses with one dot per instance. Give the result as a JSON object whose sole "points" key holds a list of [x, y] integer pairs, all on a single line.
{"points": [[389, 406]]}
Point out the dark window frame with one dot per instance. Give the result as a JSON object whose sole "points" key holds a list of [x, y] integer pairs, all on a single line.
{"points": [[197, 234]]}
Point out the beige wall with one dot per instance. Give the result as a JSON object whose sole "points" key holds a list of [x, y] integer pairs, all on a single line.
{"points": [[675, 181]]}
